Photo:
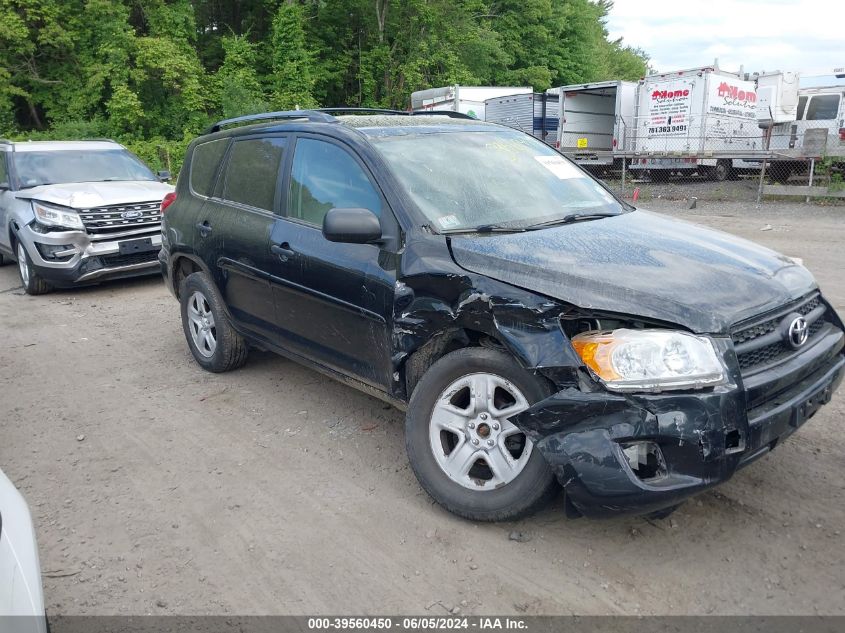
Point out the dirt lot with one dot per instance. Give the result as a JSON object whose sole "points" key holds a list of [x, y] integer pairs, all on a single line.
{"points": [[159, 488]]}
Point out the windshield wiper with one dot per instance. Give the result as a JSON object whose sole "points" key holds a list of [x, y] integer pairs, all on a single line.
{"points": [[485, 228], [569, 219]]}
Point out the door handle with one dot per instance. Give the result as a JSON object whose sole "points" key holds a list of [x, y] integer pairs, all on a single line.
{"points": [[283, 250], [204, 228]]}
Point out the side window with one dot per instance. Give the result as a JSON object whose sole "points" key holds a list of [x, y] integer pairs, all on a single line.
{"points": [[252, 171], [823, 108], [325, 177], [204, 162], [802, 105]]}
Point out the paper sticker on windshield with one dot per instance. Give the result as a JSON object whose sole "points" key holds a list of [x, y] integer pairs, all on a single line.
{"points": [[560, 167], [448, 221]]}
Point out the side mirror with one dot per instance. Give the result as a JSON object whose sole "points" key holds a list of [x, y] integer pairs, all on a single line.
{"points": [[163, 175], [353, 226]]}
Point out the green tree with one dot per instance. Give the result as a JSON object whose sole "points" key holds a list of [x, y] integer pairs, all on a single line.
{"points": [[292, 79], [238, 82], [154, 72]]}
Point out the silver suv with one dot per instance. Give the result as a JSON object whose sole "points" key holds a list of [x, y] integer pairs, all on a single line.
{"points": [[78, 212]]}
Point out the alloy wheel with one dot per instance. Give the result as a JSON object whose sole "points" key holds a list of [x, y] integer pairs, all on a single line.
{"points": [[23, 266], [201, 324], [470, 435]]}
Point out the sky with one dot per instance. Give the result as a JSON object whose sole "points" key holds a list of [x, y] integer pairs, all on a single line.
{"points": [[807, 36]]}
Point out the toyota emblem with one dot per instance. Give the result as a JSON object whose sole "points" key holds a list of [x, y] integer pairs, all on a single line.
{"points": [[797, 332]]}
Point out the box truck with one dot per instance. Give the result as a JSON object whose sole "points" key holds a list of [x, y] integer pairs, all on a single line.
{"points": [[535, 113], [685, 117], [466, 99], [596, 121]]}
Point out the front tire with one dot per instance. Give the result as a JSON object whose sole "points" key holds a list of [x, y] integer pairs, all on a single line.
{"points": [[461, 446], [214, 343], [31, 281]]}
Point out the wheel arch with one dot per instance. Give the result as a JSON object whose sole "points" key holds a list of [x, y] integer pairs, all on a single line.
{"points": [[473, 310], [184, 264], [443, 342]]}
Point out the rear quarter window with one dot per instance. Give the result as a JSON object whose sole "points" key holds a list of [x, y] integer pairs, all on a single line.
{"points": [[252, 172], [204, 163]]}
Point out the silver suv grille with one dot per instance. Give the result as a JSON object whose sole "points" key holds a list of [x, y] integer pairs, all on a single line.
{"points": [[122, 218]]}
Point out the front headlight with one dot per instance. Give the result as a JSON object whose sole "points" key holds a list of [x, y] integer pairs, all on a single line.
{"points": [[55, 216], [650, 360]]}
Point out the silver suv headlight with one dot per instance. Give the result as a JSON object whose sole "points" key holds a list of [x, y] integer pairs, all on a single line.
{"points": [[650, 360], [57, 216]]}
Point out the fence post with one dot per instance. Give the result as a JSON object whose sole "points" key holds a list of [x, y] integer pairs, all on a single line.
{"points": [[623, 176], [812, 169], [760, 186]]}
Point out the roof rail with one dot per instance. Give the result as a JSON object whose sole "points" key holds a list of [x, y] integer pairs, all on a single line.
{"points": [[325, 115], [356, 110], [449, 113], [310, 115], [452, 114]]}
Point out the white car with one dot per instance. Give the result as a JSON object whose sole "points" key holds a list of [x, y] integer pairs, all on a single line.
{"points": [[21, 594]]}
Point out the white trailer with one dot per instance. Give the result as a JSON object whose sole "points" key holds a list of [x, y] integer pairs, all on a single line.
{"points": [[466, 99], [596, 121], [685, 117], [536, 113]]}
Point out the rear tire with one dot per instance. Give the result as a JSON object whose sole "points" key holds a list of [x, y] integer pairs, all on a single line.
{"points": [[214, 343], [31, 281], [722, 171], [464, 452]]}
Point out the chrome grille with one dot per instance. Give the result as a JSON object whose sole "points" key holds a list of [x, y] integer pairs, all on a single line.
{"points": [[122, 218], [759, 344]]}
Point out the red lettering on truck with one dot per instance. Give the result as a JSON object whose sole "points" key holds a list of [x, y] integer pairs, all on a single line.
{"points": [[669, 94], [734, 93]]}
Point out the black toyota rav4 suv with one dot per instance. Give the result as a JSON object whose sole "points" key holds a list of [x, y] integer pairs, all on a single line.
{"points": [[538, 331]]}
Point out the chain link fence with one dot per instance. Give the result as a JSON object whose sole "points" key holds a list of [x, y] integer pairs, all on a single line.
{"points": [[714, 158]]}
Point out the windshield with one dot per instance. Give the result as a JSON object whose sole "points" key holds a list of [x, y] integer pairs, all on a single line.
{"points": [[48, 168], [506, 179]]}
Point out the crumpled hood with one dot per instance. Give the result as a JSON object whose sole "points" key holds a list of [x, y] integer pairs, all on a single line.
{"points": [[85, 195], [643, 264]]}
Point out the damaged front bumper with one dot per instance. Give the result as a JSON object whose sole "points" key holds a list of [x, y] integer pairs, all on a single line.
{"points": [[690, 441], [66, 258]]}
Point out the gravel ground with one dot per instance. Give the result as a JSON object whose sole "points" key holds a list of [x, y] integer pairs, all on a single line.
{"points": [[159, 488]]}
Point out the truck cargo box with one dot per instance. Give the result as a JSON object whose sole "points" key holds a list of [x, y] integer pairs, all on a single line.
{"points": [[692, 112], [466, 99], [596, 120], [536, 113]]}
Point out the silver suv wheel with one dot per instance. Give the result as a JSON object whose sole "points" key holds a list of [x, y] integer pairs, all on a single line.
{"points": [[23, 266], [201, 324], [471, 438]]}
